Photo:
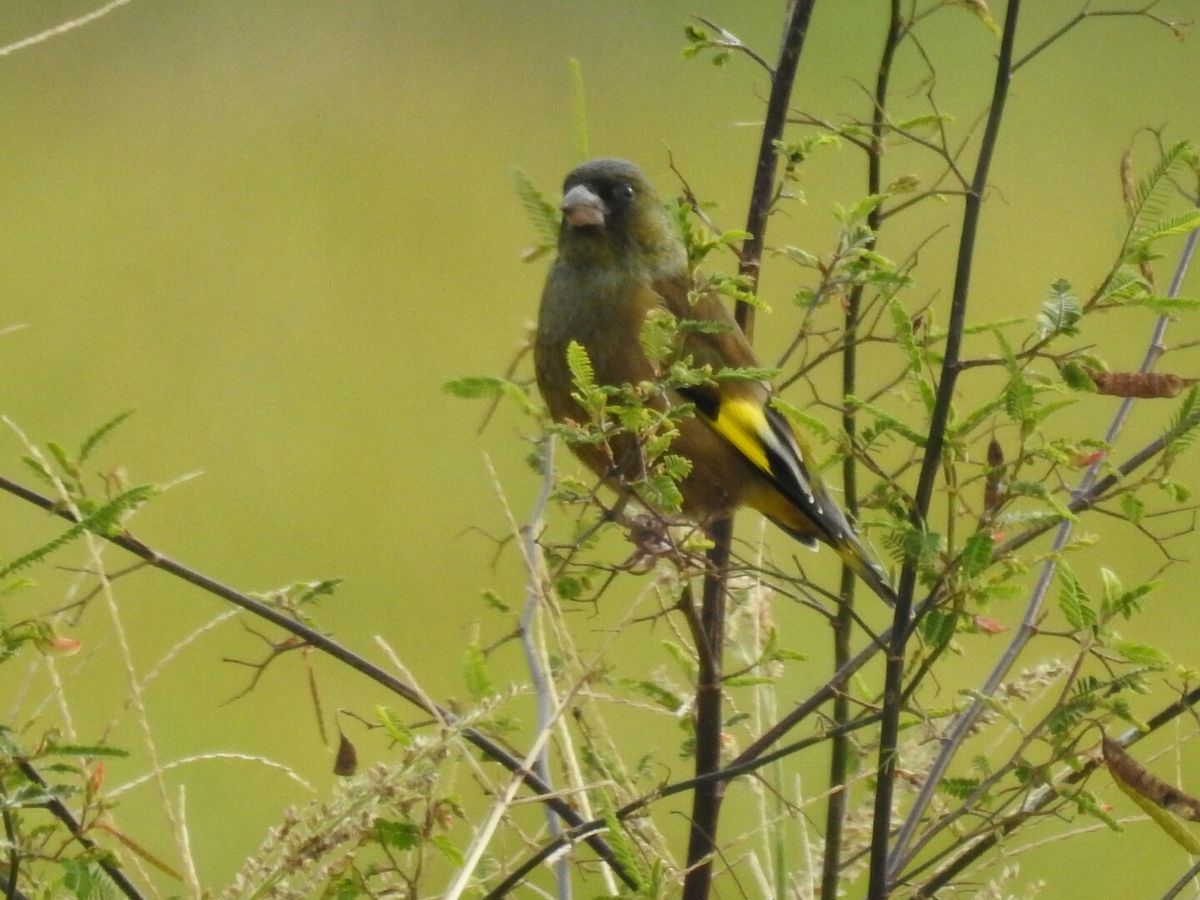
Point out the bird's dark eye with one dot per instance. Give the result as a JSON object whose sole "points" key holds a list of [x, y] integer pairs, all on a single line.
{"points": [[624, 192]]}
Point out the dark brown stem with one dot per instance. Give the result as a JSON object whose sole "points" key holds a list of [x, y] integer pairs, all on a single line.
{"points": [[14, 858], [795, 29], [843, 626], [879, 885], [706, 800], [59, 810], [710, 641]]}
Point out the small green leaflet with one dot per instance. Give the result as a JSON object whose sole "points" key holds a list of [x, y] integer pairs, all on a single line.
{"points": [[1060, 311]]}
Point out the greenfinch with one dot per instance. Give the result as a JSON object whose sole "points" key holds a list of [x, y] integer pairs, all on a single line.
{"points": [[620, 258]]}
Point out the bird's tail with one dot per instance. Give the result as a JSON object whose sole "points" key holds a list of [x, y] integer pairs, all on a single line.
{"points": [[857, 558], [860, 561]]}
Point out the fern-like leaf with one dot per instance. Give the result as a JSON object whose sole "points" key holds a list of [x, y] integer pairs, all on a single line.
{"points": [[104, 520], [887, 422], [1182, 430], [542, 213], [93, 440], [1170, 226], [582, 373], [1060, 311], [1074, 601], [1155, 184]]}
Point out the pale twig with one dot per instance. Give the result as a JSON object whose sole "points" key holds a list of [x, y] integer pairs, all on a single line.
{"points": [[62, 28], [178, 647], [731, 41], [505, 798], [962, 725], [224, 756], [532, 634], [185, 838], [137, 700]]}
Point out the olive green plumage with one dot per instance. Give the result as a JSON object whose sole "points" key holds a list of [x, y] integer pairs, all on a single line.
{"points": [[619, 258]]}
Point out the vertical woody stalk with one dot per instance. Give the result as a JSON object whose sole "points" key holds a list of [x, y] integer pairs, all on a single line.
{"points": [[843, 624], [706, 801], [889, 732]]}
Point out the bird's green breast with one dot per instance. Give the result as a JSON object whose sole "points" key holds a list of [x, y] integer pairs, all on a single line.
{"points": [[602, 309]]}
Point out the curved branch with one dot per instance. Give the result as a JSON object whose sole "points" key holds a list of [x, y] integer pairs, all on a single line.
{"points": [[1087, 493], [347, 657], [1045, 795]]}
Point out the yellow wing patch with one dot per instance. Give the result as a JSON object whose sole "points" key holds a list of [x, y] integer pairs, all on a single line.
{"points": [[773, 450], [743, 424]]}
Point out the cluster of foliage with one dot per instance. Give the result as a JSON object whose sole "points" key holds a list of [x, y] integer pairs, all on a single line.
{"points": [[1014, 466]]}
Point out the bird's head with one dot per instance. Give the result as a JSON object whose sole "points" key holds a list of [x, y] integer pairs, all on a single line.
{"points": [[609, 208]]}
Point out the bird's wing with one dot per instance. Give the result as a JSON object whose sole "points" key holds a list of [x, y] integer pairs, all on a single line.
{"points": [[740, 412], [720, 349], [788, 496]]}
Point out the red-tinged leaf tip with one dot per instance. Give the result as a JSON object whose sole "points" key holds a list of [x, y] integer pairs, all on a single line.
{"points": [[96, 779], [62, 646], [990, 626]]}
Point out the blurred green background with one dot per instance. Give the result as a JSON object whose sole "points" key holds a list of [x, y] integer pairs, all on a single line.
{"points": [[274, 229]]}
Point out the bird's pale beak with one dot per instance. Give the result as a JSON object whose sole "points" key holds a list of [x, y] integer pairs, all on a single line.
{"points": [[580, 206]]}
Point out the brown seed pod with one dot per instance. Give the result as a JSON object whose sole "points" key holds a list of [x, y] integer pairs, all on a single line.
{"points": [[993, 485], [1128, 770], [346, 762], [1139, 384]]}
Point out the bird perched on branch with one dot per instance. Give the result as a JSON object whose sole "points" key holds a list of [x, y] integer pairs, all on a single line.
{"points": [[620, 260]]}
